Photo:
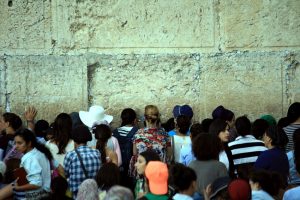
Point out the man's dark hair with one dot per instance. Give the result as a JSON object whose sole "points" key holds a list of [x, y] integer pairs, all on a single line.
{"points": [[243, 126]]}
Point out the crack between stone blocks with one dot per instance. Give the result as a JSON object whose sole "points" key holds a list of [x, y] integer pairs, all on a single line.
{"points": [[90, 76], [7, 94]]}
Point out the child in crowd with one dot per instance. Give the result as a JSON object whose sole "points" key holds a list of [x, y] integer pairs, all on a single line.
{"points": [[107, 176], [183, 179], [143, 159], [157, 174], [264, 184]]}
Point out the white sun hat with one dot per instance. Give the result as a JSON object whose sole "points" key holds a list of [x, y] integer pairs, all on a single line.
{"points": [[96, 115]]}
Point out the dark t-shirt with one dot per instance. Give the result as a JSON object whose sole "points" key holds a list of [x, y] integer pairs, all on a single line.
{"points": [[274, 160]]}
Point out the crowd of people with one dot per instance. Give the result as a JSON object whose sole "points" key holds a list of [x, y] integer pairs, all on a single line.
{"points": [[80, 156]]}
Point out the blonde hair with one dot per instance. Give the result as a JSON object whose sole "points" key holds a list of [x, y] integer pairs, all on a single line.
{"points": [[152, 114]]}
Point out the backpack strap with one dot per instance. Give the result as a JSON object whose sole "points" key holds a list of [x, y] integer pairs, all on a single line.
{"points": [[173, 150], [81, 163], [132, 132]]}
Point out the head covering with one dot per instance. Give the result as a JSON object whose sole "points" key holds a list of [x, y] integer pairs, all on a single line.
{"points": [[75, 119], [183, 110], [119, 193], [218, 185], [81, 134], [88, 190], [157, 175], [239, 189], [2, 168], [270, 119], [94, 116], [217, 112]]}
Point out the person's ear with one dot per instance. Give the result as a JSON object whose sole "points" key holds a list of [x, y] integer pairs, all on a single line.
{"points": [[194, 185], [29, 144]]}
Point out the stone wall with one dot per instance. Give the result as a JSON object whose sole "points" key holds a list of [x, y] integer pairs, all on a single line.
{"points": [[64, 56]]}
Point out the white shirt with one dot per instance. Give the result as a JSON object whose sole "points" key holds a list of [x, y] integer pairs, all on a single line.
{"points": [[37, 167], [179, 143], [182, 197], [224, 159], [54, 150]]}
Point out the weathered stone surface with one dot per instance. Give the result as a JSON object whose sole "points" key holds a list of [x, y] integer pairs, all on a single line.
{"points": [[138, 80], [63, 56], [25, 24], [137, 24], [51, 83], [291, 79], [257, 24], [2, 86], [248, 83]]}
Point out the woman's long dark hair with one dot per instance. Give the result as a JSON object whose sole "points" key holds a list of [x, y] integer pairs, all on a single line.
{"points": [[62, 128], [102, 134], [217, 126], [29, 136]]}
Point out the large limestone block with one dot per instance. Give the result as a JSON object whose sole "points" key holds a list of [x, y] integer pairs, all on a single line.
{"points": [[246, 83], [53, 84], [133, 23], [258, 24], [291, 74], [25, 24], [121, 81]]}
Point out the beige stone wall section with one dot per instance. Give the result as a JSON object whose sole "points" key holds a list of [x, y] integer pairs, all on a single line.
{"points": [[250, 84], [53, 84], [63, 56], [25, 25], [138, 24], [259, 24]]}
